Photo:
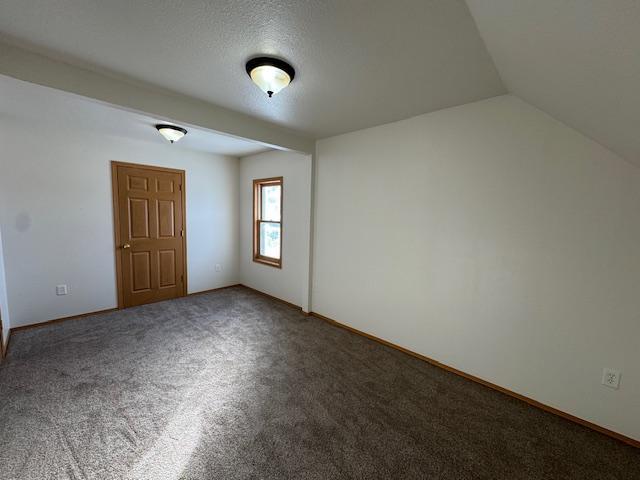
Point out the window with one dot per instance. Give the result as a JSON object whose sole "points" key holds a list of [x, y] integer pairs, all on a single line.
{"points": [[267, 221]]}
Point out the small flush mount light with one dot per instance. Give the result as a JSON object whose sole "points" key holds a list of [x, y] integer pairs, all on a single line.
{"points": [[171, 132], [270, 74]]}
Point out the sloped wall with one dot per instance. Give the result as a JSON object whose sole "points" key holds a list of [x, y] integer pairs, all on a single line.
{"points": [[494, 239]]}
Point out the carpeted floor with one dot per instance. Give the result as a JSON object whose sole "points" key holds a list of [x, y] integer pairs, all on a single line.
{"points": [[231, 385]]}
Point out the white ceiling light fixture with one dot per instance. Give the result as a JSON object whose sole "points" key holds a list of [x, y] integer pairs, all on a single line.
{"points": [[171, 132], [270, 74]]}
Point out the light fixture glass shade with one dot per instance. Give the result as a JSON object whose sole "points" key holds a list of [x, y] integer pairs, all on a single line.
{"points": [[270, 74], [270, 79], [171, 132]]}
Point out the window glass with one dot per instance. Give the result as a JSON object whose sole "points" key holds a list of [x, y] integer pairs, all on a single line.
{"points": [[271, 202], [270, 239]]}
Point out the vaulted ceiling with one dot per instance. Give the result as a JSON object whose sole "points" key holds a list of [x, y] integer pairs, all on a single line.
{"points": [[361, 62], [577, 60]]}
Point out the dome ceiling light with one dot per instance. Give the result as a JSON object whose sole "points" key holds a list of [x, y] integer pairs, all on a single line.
{"points": [[270, 74], [171, 132]]}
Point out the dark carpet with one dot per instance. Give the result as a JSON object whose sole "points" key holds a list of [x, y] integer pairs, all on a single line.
{"points": [[231, 385]]}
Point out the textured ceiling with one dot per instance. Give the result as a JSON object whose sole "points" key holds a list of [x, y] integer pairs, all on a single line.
{"points": [[359, 62], [578, 60], [33, 105]]}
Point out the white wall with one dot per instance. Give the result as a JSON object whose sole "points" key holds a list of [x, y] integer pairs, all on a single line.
{"points": [[4, 304], [57, 219], [289, 283], [494, 239]]}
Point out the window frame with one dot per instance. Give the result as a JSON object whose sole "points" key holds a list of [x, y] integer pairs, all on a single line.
{"points": [[257, 219]]}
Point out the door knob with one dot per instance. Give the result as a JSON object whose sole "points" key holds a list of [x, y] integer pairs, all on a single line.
{"points": [[126, 245]]}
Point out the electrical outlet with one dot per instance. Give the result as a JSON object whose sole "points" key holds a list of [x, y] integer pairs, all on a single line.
{"points": [[218, 267], [61, 290], [611, 378]]}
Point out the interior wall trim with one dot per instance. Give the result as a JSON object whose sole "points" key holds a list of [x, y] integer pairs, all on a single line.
{"points": [[211, 290], [48, 323], [4, 345], [297, 307], [534, 403]]}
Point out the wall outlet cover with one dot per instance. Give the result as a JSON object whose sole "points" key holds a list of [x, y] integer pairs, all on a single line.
{"points": [[218, 267], [611, 378], [61, 290]]}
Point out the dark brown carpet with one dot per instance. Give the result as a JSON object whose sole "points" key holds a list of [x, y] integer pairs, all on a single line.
{"points": [[232, 385]]}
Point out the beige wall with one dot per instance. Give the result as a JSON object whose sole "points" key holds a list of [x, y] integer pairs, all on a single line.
{"points": [[494, 239], [289, 283], [57, 221]]}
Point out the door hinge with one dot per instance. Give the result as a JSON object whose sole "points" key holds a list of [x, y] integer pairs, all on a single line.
{"points": [[182, 278], [180, 187], [182, 233]]}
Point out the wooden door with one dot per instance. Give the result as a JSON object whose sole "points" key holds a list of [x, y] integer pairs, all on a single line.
{"points": [[150, 233]]}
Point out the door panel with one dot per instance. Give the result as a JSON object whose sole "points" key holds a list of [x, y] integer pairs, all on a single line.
{"points": [[165, 185], [138, 183], [149, 206], [138, 218], [167, 268], [166, 217], [141, 271]]}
